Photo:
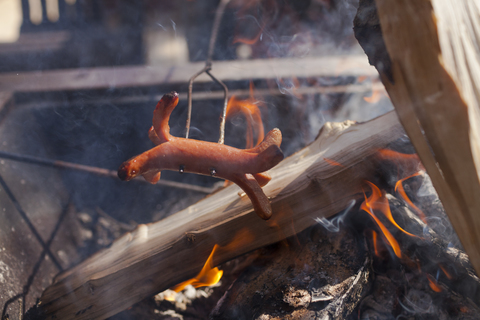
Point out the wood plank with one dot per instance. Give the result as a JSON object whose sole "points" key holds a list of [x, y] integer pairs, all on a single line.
{"points": [[133, 76], [159, 255], [434, 84]]}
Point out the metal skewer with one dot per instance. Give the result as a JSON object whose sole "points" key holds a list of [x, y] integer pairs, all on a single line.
{"points": [[94, 170], [208, 67]]}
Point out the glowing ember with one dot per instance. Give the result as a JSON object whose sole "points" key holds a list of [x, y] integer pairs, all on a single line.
{"points": [[250, 109], [401, 191], [333, 162], [433, 284], [208, 276], [375, 244], [447, 274]]}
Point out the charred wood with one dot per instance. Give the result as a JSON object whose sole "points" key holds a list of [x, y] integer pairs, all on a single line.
{"points": [[432, 251], [314, 275]]}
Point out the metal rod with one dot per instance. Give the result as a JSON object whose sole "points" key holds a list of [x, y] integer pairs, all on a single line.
{"points": [[208, 67], [216, 26], [225, 103], [189, 96], [354, 88], [94, 170], [36, 267]]}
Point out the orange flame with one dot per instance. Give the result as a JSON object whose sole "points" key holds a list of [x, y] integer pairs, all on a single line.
{"points": [[401, 191], [333, 162], [361, 78], [238, 39], [375, 97], [447, 274], [368, 206], [375, 243], [208, 276], [433, 284], [388, 154], [250, 109], [408, 163], [378, 201]]}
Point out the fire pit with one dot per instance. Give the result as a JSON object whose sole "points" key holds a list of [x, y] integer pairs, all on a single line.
{"points": [[357, 230]]}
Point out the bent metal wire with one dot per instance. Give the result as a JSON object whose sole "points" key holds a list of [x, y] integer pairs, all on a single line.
{"points": [[207, 69]]}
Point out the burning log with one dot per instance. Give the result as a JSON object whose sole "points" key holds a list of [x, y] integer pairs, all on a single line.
{"points": [[157, 256], [317, 274], [434, 278], [427, 55], [433, 251]]}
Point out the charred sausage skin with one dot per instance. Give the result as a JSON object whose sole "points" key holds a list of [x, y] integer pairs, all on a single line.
{"points": [[243, 167]]}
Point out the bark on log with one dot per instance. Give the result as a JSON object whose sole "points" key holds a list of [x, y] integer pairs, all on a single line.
{"points": [[432, 76], [157, 256]]}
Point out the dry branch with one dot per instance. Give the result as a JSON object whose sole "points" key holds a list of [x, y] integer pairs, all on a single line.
{"points": [[429, 62], [157, 256]]}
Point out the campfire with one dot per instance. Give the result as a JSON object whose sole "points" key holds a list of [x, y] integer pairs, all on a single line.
{"points": [[266, 175]]}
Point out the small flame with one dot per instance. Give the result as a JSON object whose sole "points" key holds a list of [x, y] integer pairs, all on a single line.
{"points": [[388, 154], [375, 243], [375, 97], [447, 274], [360, 79], [433, 284], [408, 163], [238, 39], [333, 162], [367, 206], [208, 276], [401, 191], [250, 109], [378, 201]]}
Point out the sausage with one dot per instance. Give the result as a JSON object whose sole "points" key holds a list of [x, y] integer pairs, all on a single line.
{"points": [[243, 167]]}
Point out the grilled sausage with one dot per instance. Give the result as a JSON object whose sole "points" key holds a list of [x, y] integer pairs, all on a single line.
{"points": [[243, 167]]}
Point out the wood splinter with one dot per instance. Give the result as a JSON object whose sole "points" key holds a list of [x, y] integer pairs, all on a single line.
{"points": [[246, 168]]}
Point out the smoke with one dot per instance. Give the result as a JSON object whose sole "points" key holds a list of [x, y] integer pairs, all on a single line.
{"points": [[426, 189], [333, 225]]}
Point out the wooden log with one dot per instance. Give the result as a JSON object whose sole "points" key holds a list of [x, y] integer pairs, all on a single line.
{"points": [[159, 255], [431, 73]]}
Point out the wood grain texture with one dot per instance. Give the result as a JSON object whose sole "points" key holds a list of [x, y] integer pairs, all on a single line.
{"points": [[434, 49], [159, 255]]}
